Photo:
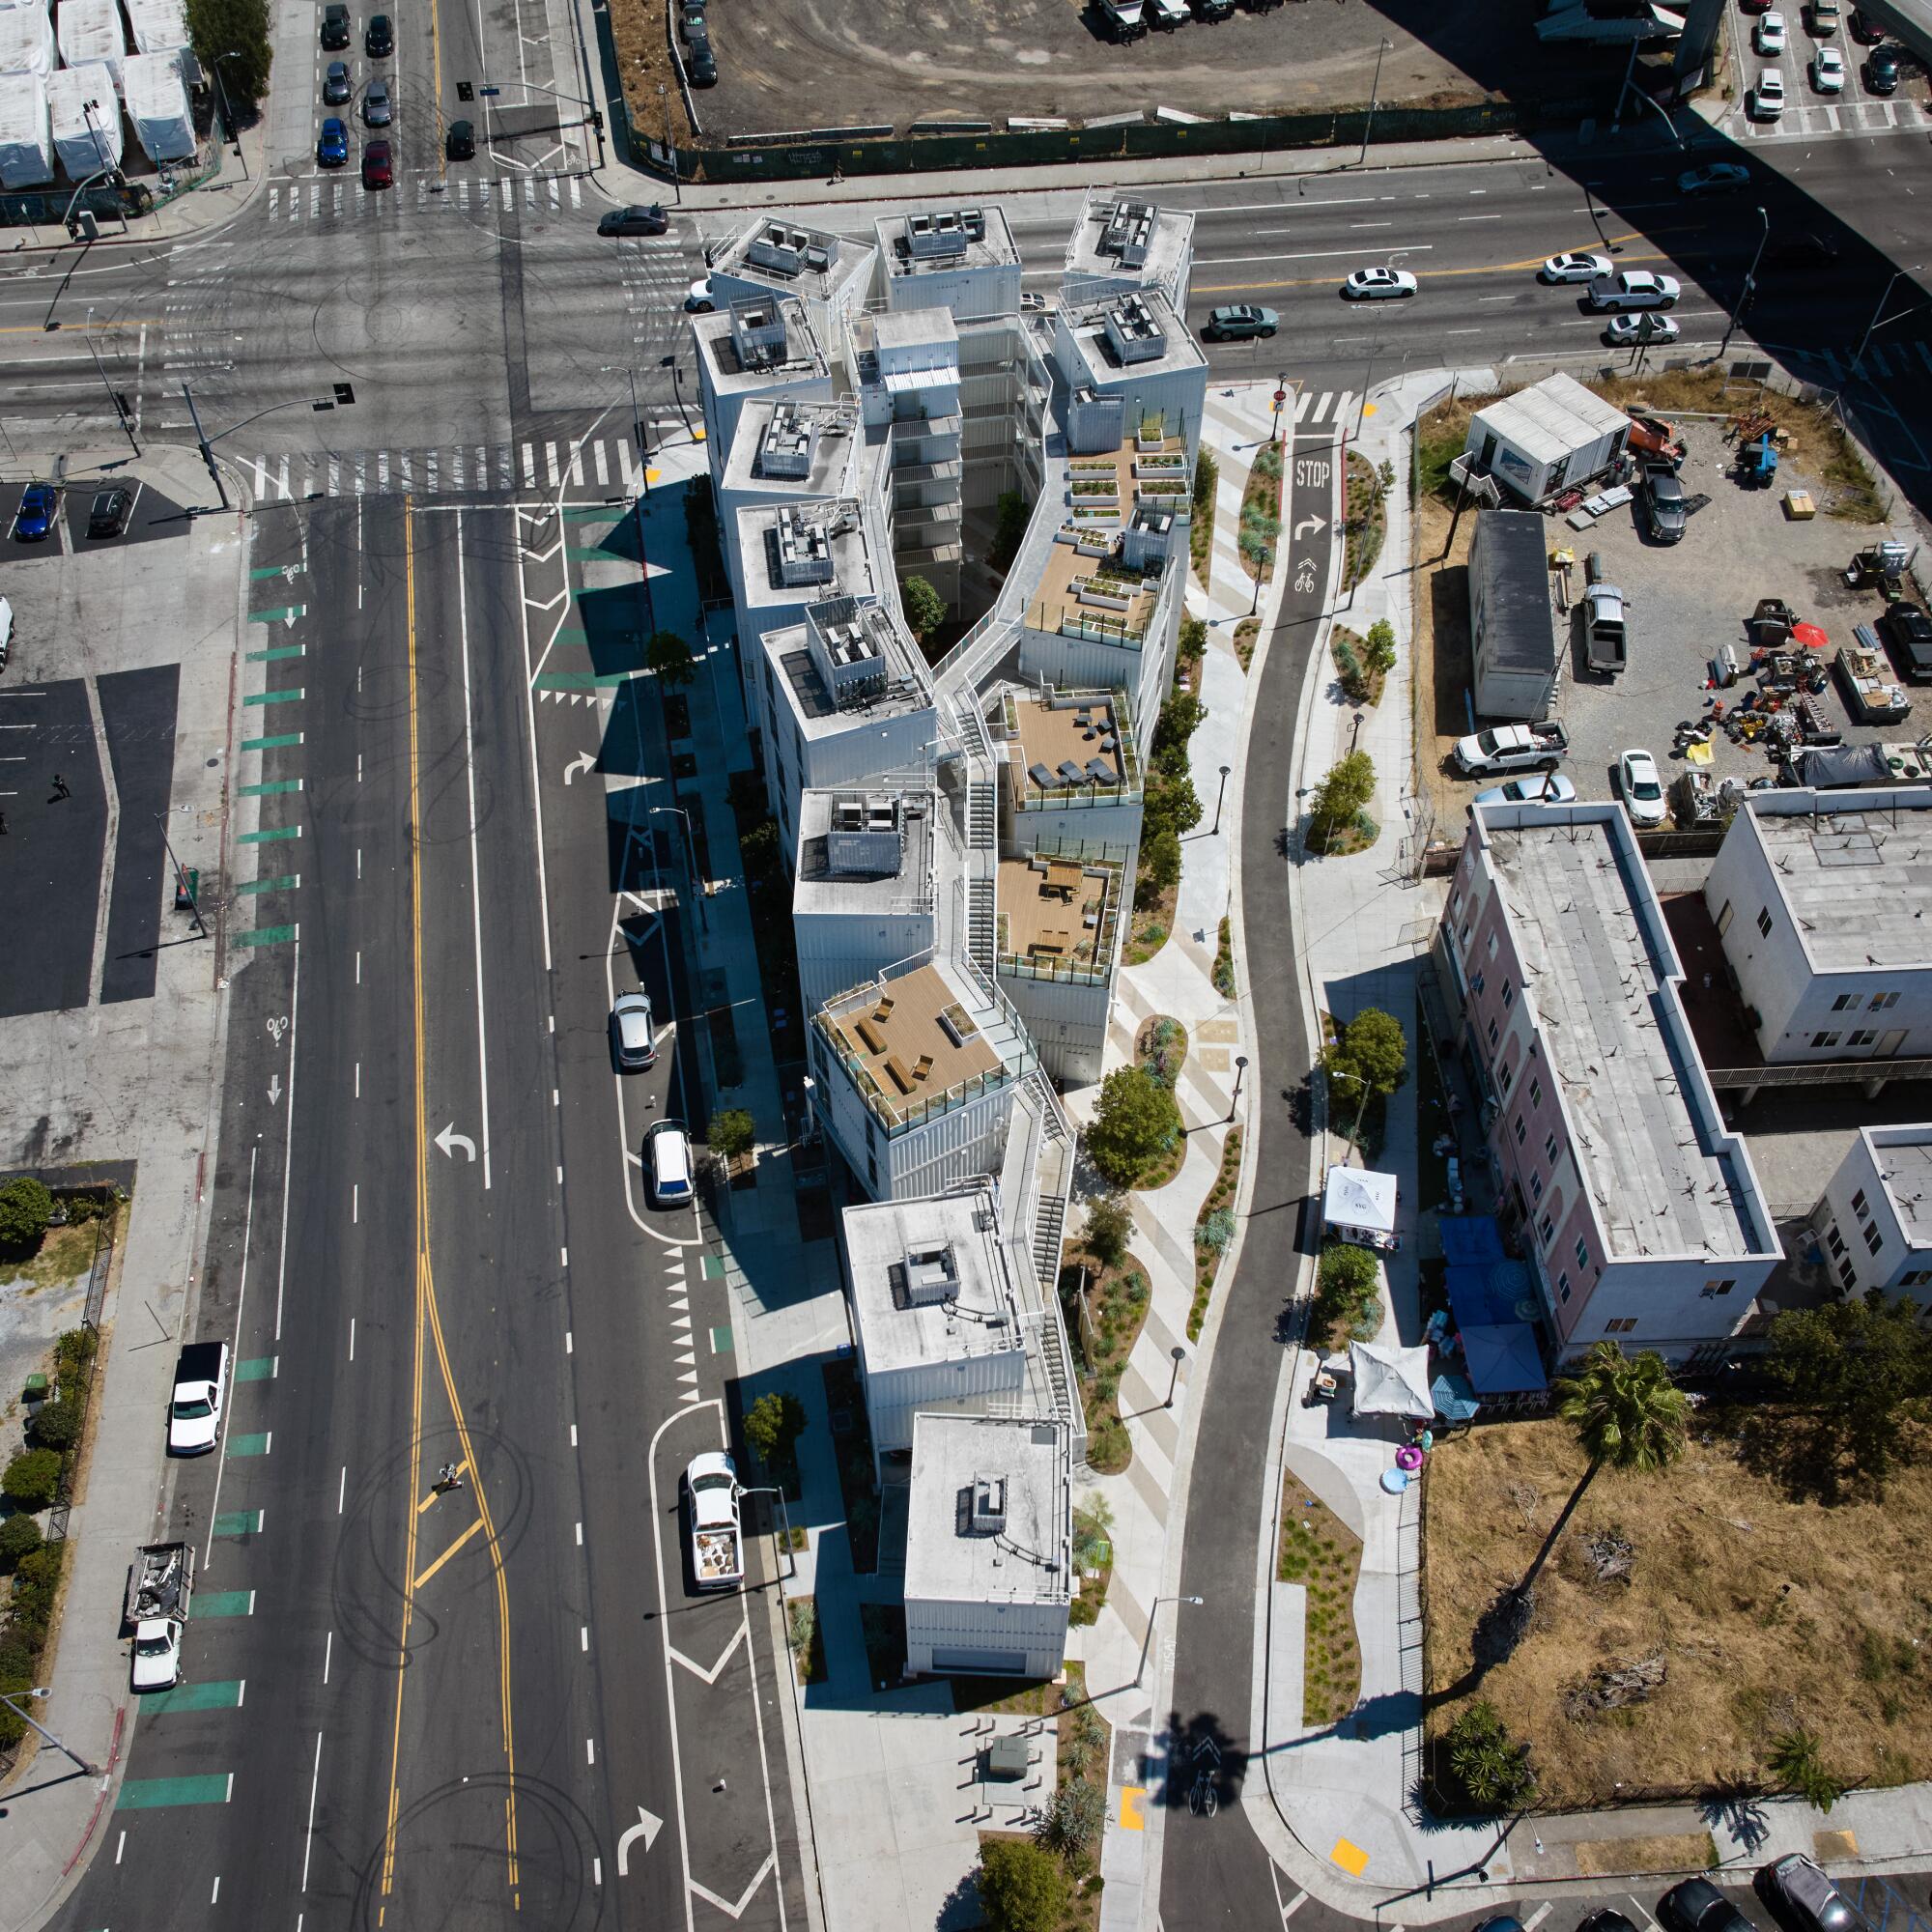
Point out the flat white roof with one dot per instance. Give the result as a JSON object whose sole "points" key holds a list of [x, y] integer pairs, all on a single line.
{"points": [[929, 1281], [1903, 1157], [990, 1516], [1550, 419], [1356, 1196]]}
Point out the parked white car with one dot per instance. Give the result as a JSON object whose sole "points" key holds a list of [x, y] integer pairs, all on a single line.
{"points": [[1367, 284], [1624, 331], [1574, 268], [1828, 70], [1767, 98], [1768, 36], [1641, 787]]}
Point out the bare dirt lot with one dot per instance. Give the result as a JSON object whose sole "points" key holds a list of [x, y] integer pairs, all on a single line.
{"points": [[1768, 1613], [786, 65]]}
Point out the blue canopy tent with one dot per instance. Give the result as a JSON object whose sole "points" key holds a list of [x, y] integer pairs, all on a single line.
{"points": [[1504, 1360], [1495, 1303], [1470, 1239], [1455, 1400]]}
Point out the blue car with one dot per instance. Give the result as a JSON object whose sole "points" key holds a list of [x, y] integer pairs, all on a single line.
{"points": [[332, 150], [38, 502]]}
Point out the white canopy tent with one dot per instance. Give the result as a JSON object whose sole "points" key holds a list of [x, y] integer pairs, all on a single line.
{"points": [[1391, 1381], [1359, 1205]]}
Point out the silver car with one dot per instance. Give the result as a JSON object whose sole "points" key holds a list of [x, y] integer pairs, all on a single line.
{"points": [[634, 1041], [376, 110]]}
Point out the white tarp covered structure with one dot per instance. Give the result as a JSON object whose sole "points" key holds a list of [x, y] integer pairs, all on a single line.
{"points": [[161, 26], [27, 41], [1359, 1205], [159, 108], [91, 30], [1391, 1381], [26, 147], [86, 117]]}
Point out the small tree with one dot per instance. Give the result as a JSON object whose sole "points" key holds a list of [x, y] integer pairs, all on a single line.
{"points": [[1860, 1369], [1169, 806], [1491, 1767], [1379, 647], [1206, 481], [32, 1478], [773, 1424], [733, 1132], [25, 1209], [925, 607], [1344, 789], [19, 1536], [1347, 1285], [1370, 1054], [1799, 1764], [1193, 646], [1110, 1226], [1069, 1824], [56, 1425], [1022, 1888], [1160, 868], [232, 38], [1008, 531], [1180, 718], [1136, 1119], [670, 657], [758, 850]]}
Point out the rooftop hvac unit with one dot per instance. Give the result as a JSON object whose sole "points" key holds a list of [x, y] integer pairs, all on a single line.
{"points": [[930, 1277], [990, 1505]]}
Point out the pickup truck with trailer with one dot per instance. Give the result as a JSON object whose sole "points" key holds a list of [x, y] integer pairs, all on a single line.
{"points": [[160, 1580], [1512, 748], [1606, 628], [200, 1388], [717, 1538]]}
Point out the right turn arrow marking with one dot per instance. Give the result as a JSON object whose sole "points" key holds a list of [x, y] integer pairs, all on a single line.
{"points": [[646, 1827]]}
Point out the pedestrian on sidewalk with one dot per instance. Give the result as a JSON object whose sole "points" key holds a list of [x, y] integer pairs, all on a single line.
{"points": [[61, 789], [3, 825]]}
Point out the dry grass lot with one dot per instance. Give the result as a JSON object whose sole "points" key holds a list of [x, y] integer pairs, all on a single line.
{"points": [[1768, 1613]]}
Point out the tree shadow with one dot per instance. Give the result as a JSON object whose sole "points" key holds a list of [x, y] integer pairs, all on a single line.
{"points": [[1202, 1755], [1803, 1453]]}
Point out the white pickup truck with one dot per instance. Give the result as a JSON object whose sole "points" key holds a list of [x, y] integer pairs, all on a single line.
{"points": [[160, 1580], [716, 1539], [1512, 748]]}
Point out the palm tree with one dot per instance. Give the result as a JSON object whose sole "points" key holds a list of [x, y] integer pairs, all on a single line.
{"points": [[1627, 1414]]}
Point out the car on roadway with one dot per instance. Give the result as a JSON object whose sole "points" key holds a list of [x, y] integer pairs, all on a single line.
{"points": [[1641, 787], [335, 26], [377, 111], [1696, 1905], [1754, 6], [379, 42], [335, 88], [379, 168], [1630, 331], [194, 1409], [1881, 71], [1802, 1899], [1908, 635], [1374, 284], [1574, 268], [702, 67], [635, 221], [107, 515], [34, 521], [1864, 29], [1828, 71], [1634, 288], [1801, 252], [690, 24], [1766, 101], [461, 143], [634, 1041], [1768, 36], [331, 150], [667, 1164], [1237, 322], [698, 298], [1718, 177], [1539, 788], [1662, 494]]}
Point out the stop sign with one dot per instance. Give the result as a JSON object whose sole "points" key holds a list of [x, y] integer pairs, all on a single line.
{"points": [[1280, 397]]}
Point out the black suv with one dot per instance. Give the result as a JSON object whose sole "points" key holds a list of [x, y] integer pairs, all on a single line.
{"points": [[335, 25], [108, 517], [380, 40], [462, 143], [1882, 69], [1803, 1900], [1908, 630]]}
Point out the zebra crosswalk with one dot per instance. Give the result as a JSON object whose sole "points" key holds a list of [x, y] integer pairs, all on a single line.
{"points": [[344, 199]]}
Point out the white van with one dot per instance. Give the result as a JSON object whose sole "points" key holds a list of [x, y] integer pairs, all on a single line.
{"points": [[667, 1162], [6, 631]]}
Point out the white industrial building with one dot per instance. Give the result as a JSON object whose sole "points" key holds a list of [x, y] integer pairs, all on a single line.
{"points": [[989, 1547], [829, 274], [1821, 901], [863, 886], [1514, 646], [961, 259], [759, 350], [1546, 438], [1874, 1219], [1638, 1211], [1123, 242]]}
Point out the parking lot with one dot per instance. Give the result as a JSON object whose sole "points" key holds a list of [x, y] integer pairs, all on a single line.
{"points": [[1688, 602]]}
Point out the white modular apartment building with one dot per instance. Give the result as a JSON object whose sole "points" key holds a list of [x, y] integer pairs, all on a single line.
{"points": [[1639, 1212], [1823, 903], [964, 832], [1874, 1219]]}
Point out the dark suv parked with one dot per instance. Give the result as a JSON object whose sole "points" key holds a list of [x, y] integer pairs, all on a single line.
{"points": [[1907, 631], [379, 41], [1798, 1895], [335, 25]]}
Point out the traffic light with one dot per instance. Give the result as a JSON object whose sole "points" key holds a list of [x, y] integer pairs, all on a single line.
{"points": [[345, 394], [464, 91], [122, 404]]}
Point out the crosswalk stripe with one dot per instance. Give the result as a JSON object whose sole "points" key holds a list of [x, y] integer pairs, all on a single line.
{"points": [[429, 472], [554, 197], [602, 473], [577, 464], [625, 465], [382, 469], [456, 464], [335, 476], [529, 468], [361, 475], [283, 480], [403, 464], [529, 194], [483, 466], [261, 476], [549, 461]]}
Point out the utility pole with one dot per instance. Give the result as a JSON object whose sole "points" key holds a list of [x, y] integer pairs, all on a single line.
{"points": [[114, 395], [1751, 279], [1375, 90], [206, 454], [227, 110]]}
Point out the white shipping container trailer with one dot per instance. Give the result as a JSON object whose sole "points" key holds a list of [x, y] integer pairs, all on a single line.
{"points": [[91, 30], [1546, 438], [26, 147], [86, 116], [157, 105], [27, 41], [161, 26]]}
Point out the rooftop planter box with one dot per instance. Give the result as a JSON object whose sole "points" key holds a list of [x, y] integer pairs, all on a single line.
{"points": [[1161, 487], [1108, 596], [1109, 514], [1093, 487]]}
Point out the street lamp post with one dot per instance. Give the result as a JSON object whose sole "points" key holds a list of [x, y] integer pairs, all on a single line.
{"points": [[181, 879], [1140, 1670], [1355, 731], [785, 1517], [1374, 91], [1280, 397], [1750, 281], [1241, 1068], [1180, 1355], [1264, 557], [343, 398], [1864, 341], [1218, 797], [113, 394], [92, 1769], [691, 859]]}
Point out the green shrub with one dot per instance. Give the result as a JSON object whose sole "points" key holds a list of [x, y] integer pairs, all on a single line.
{"points": [[57, 1425], [25, 1209], [1022, 1887], [74, 1349], [19, 1536], [1491, 1769], [1380, 650], [1216, 1231], [1110, 1226], [733, 1132], [32, 1478]]}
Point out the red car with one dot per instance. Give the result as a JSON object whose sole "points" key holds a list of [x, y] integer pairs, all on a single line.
{"points": [[1754, 6], [377, 170]]}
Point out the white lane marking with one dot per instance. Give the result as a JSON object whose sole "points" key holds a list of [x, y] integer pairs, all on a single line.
{"points": [[341, 1486], [289, 1133], [121, 1845], [590, 1751], [1293, 1906], [1537, 1917], [1308, 255], [475, 885], [355, 1220], [579, 1536], [573, 1435], [569, 1348], [328, 1652], [583, 1637], [315, 1779], [241, 1298], [216, 1898], [531, 720]]}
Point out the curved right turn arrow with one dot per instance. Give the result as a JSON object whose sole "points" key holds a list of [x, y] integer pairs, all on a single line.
{"points": [[647, 1828]]}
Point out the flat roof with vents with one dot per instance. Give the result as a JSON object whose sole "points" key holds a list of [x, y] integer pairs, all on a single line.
{"points": [[861, 851], [1128, 238], [1854, 871], [929, 1281], [990, 1516], [1132, 332], [753, 342], [932, 241], [789, 447], [804, 550]]}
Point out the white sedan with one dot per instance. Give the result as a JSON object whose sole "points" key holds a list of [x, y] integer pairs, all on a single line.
{"points": [[1828, 71], [1625, 331], [1641, 787], [1574, 268], [1367, 284], [1767, 36]]}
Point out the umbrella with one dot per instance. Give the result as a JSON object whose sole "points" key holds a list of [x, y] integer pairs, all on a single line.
{"points": [[1810, 636]]}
